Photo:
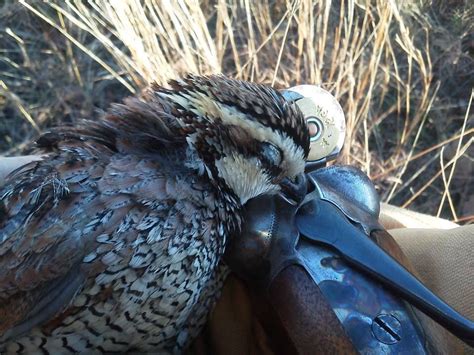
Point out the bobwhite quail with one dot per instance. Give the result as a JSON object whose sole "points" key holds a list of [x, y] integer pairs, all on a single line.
{"points": [[113, 242]]}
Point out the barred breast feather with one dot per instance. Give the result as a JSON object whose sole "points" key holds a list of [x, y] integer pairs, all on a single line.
{"points": [[110, 243], [113, 241]]}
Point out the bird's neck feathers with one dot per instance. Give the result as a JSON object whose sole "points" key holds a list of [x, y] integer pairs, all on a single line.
{"points": [[157, 123]]}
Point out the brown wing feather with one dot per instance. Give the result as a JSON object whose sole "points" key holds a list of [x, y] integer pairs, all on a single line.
{"points": [[64, 216], [46, 207], [52, 211]]}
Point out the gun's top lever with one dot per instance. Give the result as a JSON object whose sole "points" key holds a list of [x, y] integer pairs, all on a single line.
{"points": [[323, 221]]}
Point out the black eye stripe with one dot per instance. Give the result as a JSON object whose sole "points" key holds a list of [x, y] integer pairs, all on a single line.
{"points": [[261, 103], [271, 154]]}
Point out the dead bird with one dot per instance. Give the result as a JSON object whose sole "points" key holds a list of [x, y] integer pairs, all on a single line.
{"points": [[113, 242]]}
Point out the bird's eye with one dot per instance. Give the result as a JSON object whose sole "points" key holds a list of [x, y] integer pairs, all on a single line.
{"points": [[271, 154]]}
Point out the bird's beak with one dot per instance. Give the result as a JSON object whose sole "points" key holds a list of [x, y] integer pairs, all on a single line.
{"points": [[294, 191]]}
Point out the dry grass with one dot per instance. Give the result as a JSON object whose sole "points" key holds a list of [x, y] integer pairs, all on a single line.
{"points": [[378, 58]]}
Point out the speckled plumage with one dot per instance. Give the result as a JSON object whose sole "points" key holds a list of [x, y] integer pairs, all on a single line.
{"points": [[113, 242]]}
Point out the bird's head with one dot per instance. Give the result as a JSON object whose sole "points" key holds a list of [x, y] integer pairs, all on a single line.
{"points": [[244, 136]]}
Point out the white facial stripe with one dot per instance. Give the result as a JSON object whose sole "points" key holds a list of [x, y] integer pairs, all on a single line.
{"points": [[244, 177], [203, 105]]}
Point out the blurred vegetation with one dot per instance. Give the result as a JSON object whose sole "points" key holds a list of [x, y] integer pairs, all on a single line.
{"points": [[403, 73]]}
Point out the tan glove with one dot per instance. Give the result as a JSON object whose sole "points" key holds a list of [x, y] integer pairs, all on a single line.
{"points": [[443, 256]]}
